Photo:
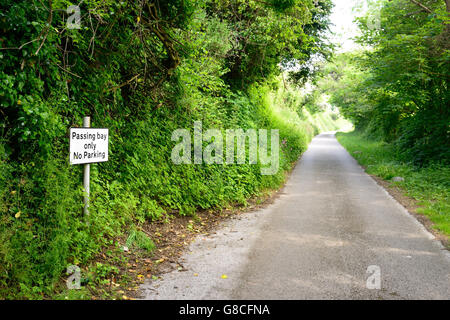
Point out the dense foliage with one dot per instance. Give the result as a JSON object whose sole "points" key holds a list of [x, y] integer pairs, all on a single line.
{"points": [[142, 69], [397, 88]]}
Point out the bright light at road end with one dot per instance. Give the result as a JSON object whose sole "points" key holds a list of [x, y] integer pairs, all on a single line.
{"points": [[343, 27]]}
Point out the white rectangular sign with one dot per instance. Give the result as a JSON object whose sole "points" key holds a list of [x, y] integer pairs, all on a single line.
{"points": [[88, 145]]}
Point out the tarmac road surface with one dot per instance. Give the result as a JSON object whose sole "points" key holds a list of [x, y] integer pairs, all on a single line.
{"points": [[333, 233]]}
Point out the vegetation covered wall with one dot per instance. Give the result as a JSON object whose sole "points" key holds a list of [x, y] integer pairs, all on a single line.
{"points": [[142, 69]]}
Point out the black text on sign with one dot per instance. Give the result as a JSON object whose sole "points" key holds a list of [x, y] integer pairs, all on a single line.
{"points": [[88, 145]]}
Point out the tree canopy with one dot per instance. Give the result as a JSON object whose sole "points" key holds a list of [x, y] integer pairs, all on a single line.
{"points": [[397, 88]]}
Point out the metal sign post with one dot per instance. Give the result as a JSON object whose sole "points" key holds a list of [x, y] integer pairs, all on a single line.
{"points": [[86, 173]]}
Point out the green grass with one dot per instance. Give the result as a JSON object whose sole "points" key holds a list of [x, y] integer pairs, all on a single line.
{"points": [[430, 186], [141, 240]]}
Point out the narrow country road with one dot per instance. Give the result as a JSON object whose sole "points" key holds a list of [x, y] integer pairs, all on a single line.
{"points": [[316, 241]]}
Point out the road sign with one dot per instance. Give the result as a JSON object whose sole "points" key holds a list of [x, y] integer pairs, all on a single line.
{"points": [[88, 145]]}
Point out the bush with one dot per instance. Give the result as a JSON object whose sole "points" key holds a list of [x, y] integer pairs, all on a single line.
{"points": [[142, 88]]}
